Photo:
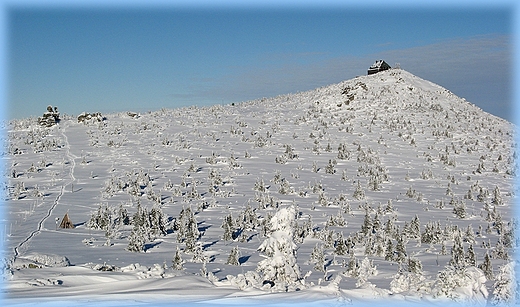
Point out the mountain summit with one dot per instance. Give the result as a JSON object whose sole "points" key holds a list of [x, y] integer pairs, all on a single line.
{"points": [[379, 185]]}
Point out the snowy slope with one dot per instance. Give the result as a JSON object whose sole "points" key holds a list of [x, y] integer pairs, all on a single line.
{"points": [[384, 149]]}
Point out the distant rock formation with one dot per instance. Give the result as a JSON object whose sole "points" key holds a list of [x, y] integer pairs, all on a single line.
{"points": [[49, 118], [88, 117]]}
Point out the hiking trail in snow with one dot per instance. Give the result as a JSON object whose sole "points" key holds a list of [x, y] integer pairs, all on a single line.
{"points": [[56, 200]]}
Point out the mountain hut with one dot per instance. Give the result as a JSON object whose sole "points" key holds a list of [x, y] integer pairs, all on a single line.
{"points": [[378, 66]]}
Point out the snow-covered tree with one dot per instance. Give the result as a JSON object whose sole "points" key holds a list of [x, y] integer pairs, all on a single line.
{"points": [[461, 285], [414, 266], [177, 261], [341, 247], [279, 266], [318, 258], [457, 252], [233, 258], [358, 192], [497, 198], [366, 269], [137, 239], [228, 225], [470, 257], [505, 288]]}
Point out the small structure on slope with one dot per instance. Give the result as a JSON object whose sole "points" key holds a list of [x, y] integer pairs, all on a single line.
{"points": [[378, 66], [66, 222]]}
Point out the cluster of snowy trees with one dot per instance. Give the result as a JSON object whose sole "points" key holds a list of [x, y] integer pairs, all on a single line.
{"points": [[146, 224]]}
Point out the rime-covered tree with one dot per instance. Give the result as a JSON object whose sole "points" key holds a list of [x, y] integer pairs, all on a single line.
{"points": [[414, 265], [366, 227], [415, 228], [497, 198], [366, 269], [487, 267], [123, 217], [279, 266], [233, 258], [192, 235], [318, 258], [198, 254], [157, 221], [177, 262], [389, 250], [137, 239], [352, 266], [340, 246], [400, 250], [457, 252], [505, 288], [228, 225], [471, 258], [358, 192]]}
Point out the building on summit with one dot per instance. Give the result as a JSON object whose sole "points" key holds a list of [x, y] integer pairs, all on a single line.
{"points": [[378, 66]]}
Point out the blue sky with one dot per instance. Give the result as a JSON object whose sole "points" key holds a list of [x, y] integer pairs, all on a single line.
{"points": [[139, 57]]}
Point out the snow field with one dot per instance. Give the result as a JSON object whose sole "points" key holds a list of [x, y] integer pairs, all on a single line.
{"points": [[333, 154]]}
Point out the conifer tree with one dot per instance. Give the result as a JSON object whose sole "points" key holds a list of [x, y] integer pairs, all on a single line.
{"points": [[505, 288], [389, 250], [358, 192], [400, 250], [198, 254], [137, 239], [233, 258], [340, 248], [487, 267], [192, 235], [366, 227], [471, 258], [228, 226], [457, 252], [279, 250], [177, 261], [366, 269], [414, 265], [497, 198], [318, 258], [352, 266]]}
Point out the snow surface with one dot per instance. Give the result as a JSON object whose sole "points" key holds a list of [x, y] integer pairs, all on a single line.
{"points": [[404, 139]]}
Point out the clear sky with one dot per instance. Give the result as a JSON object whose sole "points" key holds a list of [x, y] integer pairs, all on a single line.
{"points": [[137, 57]]}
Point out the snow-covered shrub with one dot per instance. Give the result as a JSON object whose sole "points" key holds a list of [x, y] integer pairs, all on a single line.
{"points": [[461, 285], [48, 260], [410, 283]]}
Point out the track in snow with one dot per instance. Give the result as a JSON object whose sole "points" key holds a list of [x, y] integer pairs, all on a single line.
{"points": [[56, 201]]}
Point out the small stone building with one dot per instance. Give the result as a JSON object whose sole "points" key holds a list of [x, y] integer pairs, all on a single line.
{"points": [[378, 66]]}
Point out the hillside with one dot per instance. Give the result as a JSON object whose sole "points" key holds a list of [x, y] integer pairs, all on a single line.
{"points": [[367, 189]]}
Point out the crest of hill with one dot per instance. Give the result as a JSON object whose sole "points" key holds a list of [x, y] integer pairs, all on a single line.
{"points": [[387, 94]]}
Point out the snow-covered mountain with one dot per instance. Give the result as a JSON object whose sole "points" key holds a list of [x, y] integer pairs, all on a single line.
{"points": [[382, 186]]}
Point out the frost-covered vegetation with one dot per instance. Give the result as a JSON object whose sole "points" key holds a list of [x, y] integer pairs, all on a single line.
{"points": [[383, 186]]}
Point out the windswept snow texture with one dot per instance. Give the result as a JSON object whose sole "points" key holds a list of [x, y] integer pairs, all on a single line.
{"points": [[398, 191]]}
